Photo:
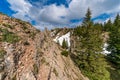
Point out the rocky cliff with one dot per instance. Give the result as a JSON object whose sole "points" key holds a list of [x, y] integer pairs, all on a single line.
{"points": [[29, 54]]}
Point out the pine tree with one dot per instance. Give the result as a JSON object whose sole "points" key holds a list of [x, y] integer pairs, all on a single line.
{"points": [[117, 20], [64, 44], [87, 19], [108, 26], [114, 43], [89, 58]]}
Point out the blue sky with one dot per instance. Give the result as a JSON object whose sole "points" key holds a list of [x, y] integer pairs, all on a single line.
{"points": [[59, 13]]}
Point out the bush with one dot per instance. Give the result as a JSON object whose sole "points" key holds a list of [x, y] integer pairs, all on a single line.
{"points": [[8, 26], [65, 53], [35, 69], [2, 53], [14, 78], [26, 43], [32, 35]]}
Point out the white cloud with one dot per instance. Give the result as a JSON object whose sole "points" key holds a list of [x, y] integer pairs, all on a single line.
{"points": [[78, 8], [60, 15], [21, 7], [53, 14]]}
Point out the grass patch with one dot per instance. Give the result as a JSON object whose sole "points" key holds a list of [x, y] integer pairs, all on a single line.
{"points": [[9, 36]]}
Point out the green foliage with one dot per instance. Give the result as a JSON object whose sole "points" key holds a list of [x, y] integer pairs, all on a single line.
{"points": [[43, 60], [2, 53], [114, 43], [32, 35], [115, 73], [35, 69], [117, 20], [89, 44], [87, 20], [89, 59], [24, 27], [108, 26], [65, 53], [64, 44], [88, 56], [9, 36], [14, 78], [98, 75], [8, 26]]}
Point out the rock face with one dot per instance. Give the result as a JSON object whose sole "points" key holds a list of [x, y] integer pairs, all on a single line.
{"points": [[29, 54]]}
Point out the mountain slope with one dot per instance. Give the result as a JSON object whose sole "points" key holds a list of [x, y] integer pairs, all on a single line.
{"points": [[29, 54]]}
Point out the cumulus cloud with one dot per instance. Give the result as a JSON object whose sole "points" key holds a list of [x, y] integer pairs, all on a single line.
{"points": [[21, 8], [54, 14], [60, 15]]}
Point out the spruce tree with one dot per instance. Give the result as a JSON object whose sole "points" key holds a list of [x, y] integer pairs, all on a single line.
{"points": [[117, 20], [108, 26], [114, 43], [64, 44], [87, 19], [89, 58]]}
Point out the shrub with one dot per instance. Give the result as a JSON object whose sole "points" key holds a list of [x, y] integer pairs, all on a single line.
{"points": [[55, 72], [35, 69], [32, 35], [9, 37], [2, 53], [65, 53], [26, 43], [14, 78], [8, 26]]}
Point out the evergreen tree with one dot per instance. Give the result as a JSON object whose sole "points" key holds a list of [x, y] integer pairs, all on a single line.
{"points": [[89, 58], [87, 19], [64, 44], [117, 20], [114, 43], [108, 26]]}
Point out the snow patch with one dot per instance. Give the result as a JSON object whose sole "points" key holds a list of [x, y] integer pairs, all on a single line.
{"points": [[105, 49], [60, 39]]}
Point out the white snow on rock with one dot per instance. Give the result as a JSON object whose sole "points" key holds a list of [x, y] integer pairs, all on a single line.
{"points": [[105, 49], [60, 39]]}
